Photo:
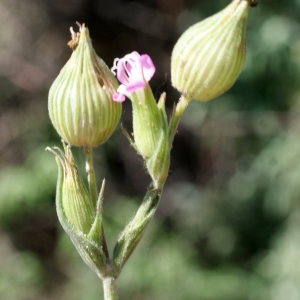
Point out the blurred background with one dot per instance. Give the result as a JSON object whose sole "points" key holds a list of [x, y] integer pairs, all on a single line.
{"points": [[228, 225]]}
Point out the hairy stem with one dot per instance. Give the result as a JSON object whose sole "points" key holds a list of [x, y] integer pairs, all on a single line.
{"points": [[110, 289]]}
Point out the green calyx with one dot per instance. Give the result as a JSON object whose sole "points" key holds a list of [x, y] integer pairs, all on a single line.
{"points": [[80, 99], [150, 131], [79, 217], [76, 203], [210, 55]]}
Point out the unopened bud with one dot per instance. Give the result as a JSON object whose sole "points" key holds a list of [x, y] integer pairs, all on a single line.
{"points": [[80, 218], [76, 202], [80, 99], [210, 55]]}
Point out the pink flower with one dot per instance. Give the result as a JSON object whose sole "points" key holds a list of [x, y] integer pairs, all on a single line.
{"points": [[133, 71]]}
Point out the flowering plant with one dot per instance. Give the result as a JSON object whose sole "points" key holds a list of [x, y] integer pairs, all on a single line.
{"points": [[85, 108]]}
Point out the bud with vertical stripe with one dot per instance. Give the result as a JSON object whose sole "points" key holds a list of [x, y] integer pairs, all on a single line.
{"points": [[80, 99], [210, 55]]}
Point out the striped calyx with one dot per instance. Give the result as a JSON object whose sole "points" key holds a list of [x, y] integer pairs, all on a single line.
{"points": [[150, 131], [210, 55], [80, 99]]}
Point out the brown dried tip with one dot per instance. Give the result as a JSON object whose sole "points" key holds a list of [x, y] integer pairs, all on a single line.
{"points": [[253, 3], [75, 36]]}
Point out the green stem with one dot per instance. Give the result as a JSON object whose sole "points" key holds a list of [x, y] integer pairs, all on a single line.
{"points": [[110, 289], [176, 116], [89, 166]]}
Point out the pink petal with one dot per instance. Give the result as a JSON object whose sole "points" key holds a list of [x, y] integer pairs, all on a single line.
{"points": [[148, 66], [133, 71], [135, 86], [118, 97]]}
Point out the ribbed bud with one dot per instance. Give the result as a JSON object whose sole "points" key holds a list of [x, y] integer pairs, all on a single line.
{"points": [[80, 99], [210, 55]]}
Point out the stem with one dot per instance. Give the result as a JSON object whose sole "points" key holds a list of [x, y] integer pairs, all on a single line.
{"points": [[176, 116], [89, 167], [110, 289]]}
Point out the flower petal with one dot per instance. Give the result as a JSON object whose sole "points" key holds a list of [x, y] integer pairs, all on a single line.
{"points": [[133, 71], [148, 66], [135, 86], [118, 97]]}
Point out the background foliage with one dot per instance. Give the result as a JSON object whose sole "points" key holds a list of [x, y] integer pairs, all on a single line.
{"points": [[228, 224]]}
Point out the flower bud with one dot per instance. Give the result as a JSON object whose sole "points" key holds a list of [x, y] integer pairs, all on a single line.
{"points": [[76, 202], [210, 55], [80, 99], [80, 218]]}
